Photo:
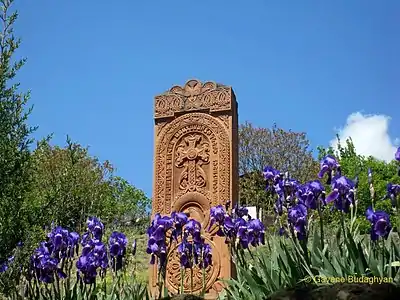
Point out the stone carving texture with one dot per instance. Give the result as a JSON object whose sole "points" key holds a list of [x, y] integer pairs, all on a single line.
{"points": [[171, 140], [174, 273], [194, 166], [191, 157], [194, 96]]}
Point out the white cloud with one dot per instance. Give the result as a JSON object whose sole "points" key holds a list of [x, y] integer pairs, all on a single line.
{"points": [[369, 134]]}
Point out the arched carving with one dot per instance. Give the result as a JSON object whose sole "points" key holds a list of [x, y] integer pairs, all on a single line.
{"points": [[196, 206], [215, 152]]}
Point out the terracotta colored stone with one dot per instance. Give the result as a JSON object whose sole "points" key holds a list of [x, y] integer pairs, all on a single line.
{"points": [[195, 168]]}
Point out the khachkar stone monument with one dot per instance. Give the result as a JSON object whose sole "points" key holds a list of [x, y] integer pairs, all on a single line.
{"points": [[196, 157]]}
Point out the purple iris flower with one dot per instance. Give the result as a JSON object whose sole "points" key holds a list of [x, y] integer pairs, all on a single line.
{"points": [[92, 260], [380, 223], [63, 242], [44, 264], [241, 211], [192, 253], [282, 232], [290, 186], [157, 248], [278, 206], [193, 228], [270, 173], [328, 164], [297, 217], [217, 214], [247, 233], [240, 231], [157, 233], [281, 200], [58, 237], [87, 266], [47, 260], [117, 243], [392, 191], [206, 256], [180, 220], [271, 177], [95, 227], [192, 247], [228, 228], [94, 256], [256, 231], [286, 190], [397, 155], [342, 193], [185, 250], [311, 193], [5, 265]]}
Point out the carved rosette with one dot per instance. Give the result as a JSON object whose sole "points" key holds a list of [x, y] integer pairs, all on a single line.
{"points": [[173, 279]]}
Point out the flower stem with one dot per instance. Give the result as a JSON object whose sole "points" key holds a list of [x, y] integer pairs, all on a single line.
{"points": [[191, 280], [204, 282], [321, 224], [182, 275], [383, 258], [342, 224]]}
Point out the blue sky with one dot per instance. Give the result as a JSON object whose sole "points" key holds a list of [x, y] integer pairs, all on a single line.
{"points": [[314, 66]]}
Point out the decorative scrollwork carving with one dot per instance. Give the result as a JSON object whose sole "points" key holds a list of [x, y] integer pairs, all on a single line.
{"points": [[225, 120], [216, 152], [159, 126], [194, 95]]}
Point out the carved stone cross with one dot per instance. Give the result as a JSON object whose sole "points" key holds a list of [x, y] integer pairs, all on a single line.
{"points": [[191, 156]]}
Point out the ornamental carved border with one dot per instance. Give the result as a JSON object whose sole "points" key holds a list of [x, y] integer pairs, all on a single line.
{"points": [[217, 138], [193, 96]]}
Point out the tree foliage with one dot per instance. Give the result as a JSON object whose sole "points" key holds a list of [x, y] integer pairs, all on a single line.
{"points": [[14, 138], [356, 166], [284, 150], [69, 185], [130, 205]]}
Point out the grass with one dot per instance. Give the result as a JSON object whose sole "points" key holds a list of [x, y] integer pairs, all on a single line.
{"points": [[138, 264]]}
